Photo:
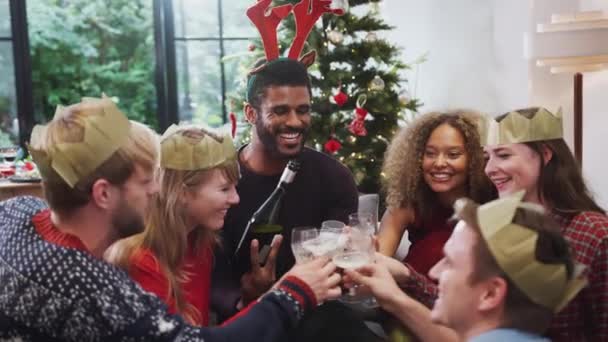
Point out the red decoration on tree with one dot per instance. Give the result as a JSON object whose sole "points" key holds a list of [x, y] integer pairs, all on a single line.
{"points": [[357, 126], [332, 145], [340, 98], [251, 47], [232, 118]]}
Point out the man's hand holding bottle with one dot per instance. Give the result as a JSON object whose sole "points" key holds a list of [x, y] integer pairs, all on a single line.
{"points": [[263, 273], [319, 274]]}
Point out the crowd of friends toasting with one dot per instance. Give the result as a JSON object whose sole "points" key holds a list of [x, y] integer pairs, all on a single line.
{"points": [[137, 236]]}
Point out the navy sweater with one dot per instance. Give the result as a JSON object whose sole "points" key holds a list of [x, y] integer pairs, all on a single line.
{"points": [[53, 293]]}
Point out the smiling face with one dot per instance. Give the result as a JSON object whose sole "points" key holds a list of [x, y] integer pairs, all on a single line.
{"points": [[135, 196], [513, 167], [207, 203], [445, 160], [458, 297], [283, 120]]}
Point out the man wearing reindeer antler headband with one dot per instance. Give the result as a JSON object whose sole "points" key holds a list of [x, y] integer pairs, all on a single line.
{"points": [[279, 109]]}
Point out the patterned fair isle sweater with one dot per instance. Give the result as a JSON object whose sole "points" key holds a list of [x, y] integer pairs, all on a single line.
{"points": [[53, 293]]}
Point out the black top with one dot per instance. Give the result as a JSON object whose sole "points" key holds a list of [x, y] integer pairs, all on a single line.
{"points": [[54, 293], [323, 189]]}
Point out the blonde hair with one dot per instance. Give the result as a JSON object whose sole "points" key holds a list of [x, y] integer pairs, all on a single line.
{"points": [[403, 181], [141, 148], [166, 232]]}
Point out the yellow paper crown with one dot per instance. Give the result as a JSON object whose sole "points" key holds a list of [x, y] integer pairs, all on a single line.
{"points": [[195, 148], [514, 248], [106, 129], [517, 128]]}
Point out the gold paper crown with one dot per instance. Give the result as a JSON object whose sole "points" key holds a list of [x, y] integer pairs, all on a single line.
{"points": [[106, 129], [193, 147], [517, 128], [514, 248]]}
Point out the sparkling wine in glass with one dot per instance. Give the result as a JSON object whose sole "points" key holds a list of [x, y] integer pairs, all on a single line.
{"points": [[358, 250], [300, 236]]}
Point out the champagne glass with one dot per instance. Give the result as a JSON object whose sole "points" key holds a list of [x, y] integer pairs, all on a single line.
{"points": [[368, 223], [358, 250], [299, 236], [332, 237], [364, 221]]}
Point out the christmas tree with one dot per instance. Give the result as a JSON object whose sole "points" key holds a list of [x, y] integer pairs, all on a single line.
{"points": [[358, 94]]}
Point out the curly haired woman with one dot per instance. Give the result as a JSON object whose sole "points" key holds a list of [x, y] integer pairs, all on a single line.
{"points": [[428, 165]]}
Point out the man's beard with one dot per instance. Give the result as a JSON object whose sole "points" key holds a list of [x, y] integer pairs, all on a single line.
{"points": [[269, 140], [127, 221]]}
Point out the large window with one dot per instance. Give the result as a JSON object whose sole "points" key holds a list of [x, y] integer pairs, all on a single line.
{"points": [[163, 61], [9, 124], [210, 37], [86, 48]]}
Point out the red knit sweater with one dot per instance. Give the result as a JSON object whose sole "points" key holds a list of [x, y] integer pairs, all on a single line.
{"points": [[145, 270]]}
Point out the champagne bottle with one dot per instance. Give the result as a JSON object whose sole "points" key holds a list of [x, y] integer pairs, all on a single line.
{"points": [[264, 224]]}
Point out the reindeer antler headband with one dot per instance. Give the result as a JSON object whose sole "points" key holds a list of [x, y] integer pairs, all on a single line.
{"points": [[266, 20]]}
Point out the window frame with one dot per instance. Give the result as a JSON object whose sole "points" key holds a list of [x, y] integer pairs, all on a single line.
{"points": [[22, 68], [167, 64]]}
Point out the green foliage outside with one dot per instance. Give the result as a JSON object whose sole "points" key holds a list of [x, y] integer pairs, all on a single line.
{"points": [[354, 63], [83, 48]]}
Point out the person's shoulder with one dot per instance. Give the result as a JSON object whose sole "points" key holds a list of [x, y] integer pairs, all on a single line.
{"points": [[323, 161], [144, 259], [593, 223], [20, 205]]}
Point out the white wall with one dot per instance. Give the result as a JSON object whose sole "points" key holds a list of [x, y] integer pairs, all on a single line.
{"points": [[477, 60], [469, 50]]}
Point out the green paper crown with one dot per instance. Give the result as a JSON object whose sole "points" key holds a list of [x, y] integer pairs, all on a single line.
{"points": [[106, 129], [514, 248], [516, 128], [195, 148]]}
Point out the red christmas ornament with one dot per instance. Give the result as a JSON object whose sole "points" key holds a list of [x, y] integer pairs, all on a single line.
{"points": [[251, 47], [357, 126], [332, 145], [232, 118], [340, 98]]}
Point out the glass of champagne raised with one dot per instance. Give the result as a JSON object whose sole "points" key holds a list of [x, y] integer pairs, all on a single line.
{"points": [[357, 251], [300, 236]]}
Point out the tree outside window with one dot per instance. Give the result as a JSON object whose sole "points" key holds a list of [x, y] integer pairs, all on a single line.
{"points": [[210, 38]]}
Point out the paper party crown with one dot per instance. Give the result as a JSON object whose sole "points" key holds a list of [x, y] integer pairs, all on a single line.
{"points": [[106, 129], [514, 249], [193, 147], [517, 128]]}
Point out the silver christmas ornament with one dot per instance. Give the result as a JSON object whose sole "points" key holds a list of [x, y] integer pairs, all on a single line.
{"points": [[377, 84], [336, 37], [371, 37]]}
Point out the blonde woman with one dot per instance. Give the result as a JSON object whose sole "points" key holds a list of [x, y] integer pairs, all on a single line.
{"points": [[429, 164], [173, 256]]}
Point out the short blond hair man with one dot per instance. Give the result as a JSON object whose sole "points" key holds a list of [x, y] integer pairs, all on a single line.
{"points": [[98, 173]]}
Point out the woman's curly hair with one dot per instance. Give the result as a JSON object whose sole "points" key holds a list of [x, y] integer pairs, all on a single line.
{"points": [[403, 182]]}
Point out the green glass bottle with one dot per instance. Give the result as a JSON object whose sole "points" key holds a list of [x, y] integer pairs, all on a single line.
{"points": [[264, 224]]}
